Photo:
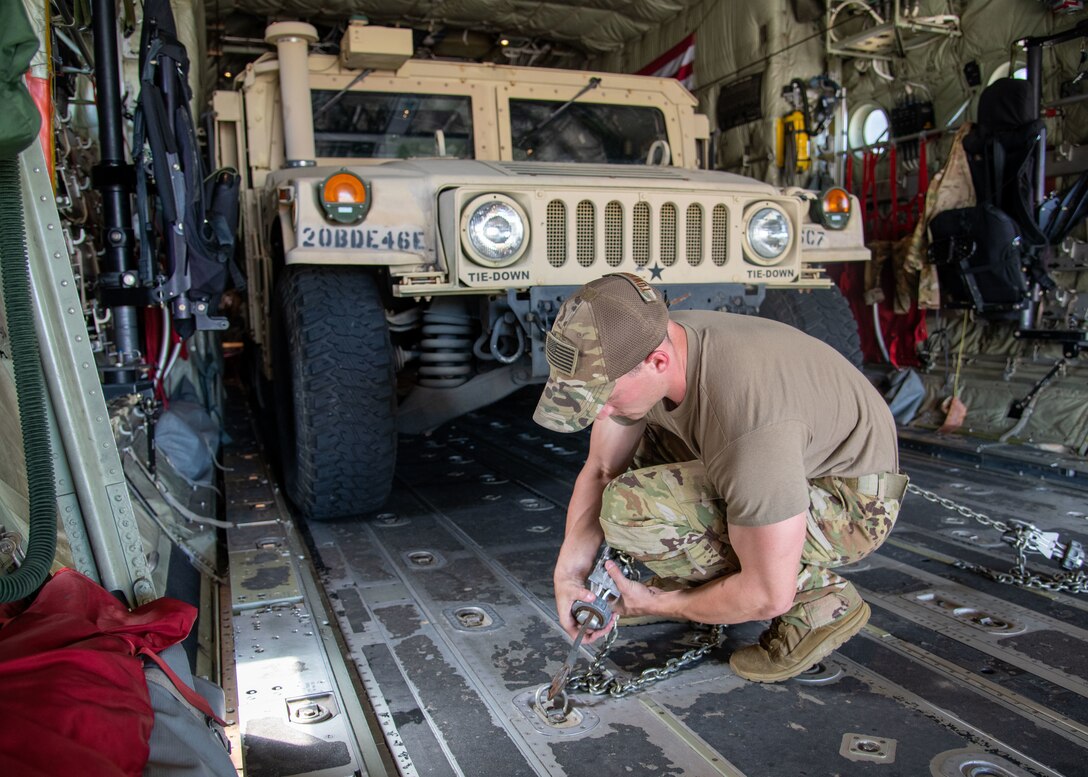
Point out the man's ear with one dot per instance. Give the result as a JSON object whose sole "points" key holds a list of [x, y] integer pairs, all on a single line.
{"points": [[658, 360]]}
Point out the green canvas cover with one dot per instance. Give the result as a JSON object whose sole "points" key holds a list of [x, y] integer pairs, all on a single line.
{"points": [[19, 121]]}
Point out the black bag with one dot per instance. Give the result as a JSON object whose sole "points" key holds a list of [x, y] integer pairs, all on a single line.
{"points": [[1002, 150], [197, 213], [979, 254], [987, 255]]}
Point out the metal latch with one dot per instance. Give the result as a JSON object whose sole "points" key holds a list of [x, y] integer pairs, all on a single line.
{"points": [[12, 554], [315, 708], [1048, 543]]}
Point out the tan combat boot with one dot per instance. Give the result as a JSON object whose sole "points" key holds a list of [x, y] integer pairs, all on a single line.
{"points": [[786, 650]]}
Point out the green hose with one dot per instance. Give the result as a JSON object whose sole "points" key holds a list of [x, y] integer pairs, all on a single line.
{"points": [[30, 387]]}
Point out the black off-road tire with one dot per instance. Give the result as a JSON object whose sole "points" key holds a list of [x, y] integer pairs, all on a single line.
{"points": [[822, 313], [335, 391]]}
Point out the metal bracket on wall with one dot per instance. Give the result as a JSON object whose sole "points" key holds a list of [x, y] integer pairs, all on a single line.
{"points": [[75, 395], [882, 36], [1070, 256], [1066, 159]]}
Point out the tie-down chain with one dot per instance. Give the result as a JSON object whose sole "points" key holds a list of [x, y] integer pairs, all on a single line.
{"points": [[1025, 538], [598, 682], [552, 701]]}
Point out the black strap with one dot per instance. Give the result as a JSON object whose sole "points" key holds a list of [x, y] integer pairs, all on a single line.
{"points": [[175, 207]]}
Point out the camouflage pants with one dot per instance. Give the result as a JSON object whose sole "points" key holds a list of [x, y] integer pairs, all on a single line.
{"points": [[668, 517]]}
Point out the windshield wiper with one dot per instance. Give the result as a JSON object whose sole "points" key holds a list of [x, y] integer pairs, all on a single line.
{"points": [[523, 139], [336, 97]]}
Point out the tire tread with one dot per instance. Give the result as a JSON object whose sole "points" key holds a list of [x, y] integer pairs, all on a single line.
{"points": [[342, 396]]}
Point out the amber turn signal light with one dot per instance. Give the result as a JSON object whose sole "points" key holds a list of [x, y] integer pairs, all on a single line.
{"points": [[832, 209], [345, 197]]}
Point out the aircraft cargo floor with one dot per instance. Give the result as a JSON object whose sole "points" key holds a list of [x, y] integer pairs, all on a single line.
{"points": [[444, 606]]}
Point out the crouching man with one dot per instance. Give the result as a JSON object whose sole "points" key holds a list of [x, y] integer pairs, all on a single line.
{"points": [[738, 458]]}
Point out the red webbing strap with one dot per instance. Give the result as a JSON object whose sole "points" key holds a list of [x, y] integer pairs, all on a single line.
{"points": [[190, 695], [923, 178], [873, 193], [863, 192], [869, 211], [892, 231]]}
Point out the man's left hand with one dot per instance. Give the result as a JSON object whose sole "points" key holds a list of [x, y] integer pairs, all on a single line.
{"points": [[635, 598]]}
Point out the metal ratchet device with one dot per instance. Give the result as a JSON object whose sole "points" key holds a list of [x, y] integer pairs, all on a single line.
{"points": [[591, 615]]}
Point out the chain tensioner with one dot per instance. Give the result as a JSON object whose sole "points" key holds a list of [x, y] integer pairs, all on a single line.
{"points": [[1025, 538]]}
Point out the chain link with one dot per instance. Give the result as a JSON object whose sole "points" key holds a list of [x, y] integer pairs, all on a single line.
{"points": [[1024, 538], [598, 682], [955, 507]]}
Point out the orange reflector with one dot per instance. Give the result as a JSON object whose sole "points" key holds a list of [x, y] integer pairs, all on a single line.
{"points": [[836, 200], [343, 187]]}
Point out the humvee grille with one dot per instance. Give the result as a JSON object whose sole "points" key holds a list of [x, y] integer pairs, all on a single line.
{"points": [[586, 227], [613, 234], [640, 234], [719, 223], [557, 233], [695, 234], [668, 234], [632, 230]]}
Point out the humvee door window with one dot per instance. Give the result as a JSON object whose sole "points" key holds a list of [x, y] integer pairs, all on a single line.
{"points": [[379, 125], [547, 131]]}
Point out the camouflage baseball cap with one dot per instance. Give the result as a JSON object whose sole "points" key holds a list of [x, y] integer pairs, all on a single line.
{"points": [[602, 332]]}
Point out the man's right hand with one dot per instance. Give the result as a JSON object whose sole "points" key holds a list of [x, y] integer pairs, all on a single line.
{"points": [[567, 591], [572, 568]]}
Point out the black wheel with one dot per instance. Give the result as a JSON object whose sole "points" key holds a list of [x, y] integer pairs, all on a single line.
{"points": [[335, 391], [822, 313]]}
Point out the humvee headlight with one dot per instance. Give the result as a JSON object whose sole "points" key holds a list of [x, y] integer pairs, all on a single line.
{"points": [[832, 209], [769, 235], [494, 230], [345, 197]]}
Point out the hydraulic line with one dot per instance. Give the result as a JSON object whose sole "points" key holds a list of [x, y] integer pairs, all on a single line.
{"points": [[30, 389]]}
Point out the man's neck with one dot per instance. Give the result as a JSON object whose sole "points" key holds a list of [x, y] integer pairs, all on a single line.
{"points": [[678, 367]]}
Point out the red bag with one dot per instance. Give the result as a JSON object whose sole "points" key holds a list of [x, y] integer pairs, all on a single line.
{"points": [[75, 699]]}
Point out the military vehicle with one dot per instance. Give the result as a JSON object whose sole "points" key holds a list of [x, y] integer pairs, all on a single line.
{"points": [[421, 220]]}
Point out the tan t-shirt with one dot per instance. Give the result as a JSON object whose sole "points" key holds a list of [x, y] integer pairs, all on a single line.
{"points": [[767, 407]]}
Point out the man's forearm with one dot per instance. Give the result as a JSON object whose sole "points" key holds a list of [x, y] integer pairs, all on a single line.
{"points": [[583, 532], [611, 447], [732, 599], [765, 586]]}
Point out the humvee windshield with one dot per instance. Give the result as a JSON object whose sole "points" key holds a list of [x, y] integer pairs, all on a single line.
{"points": [[546, 131], [380, 125]]}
